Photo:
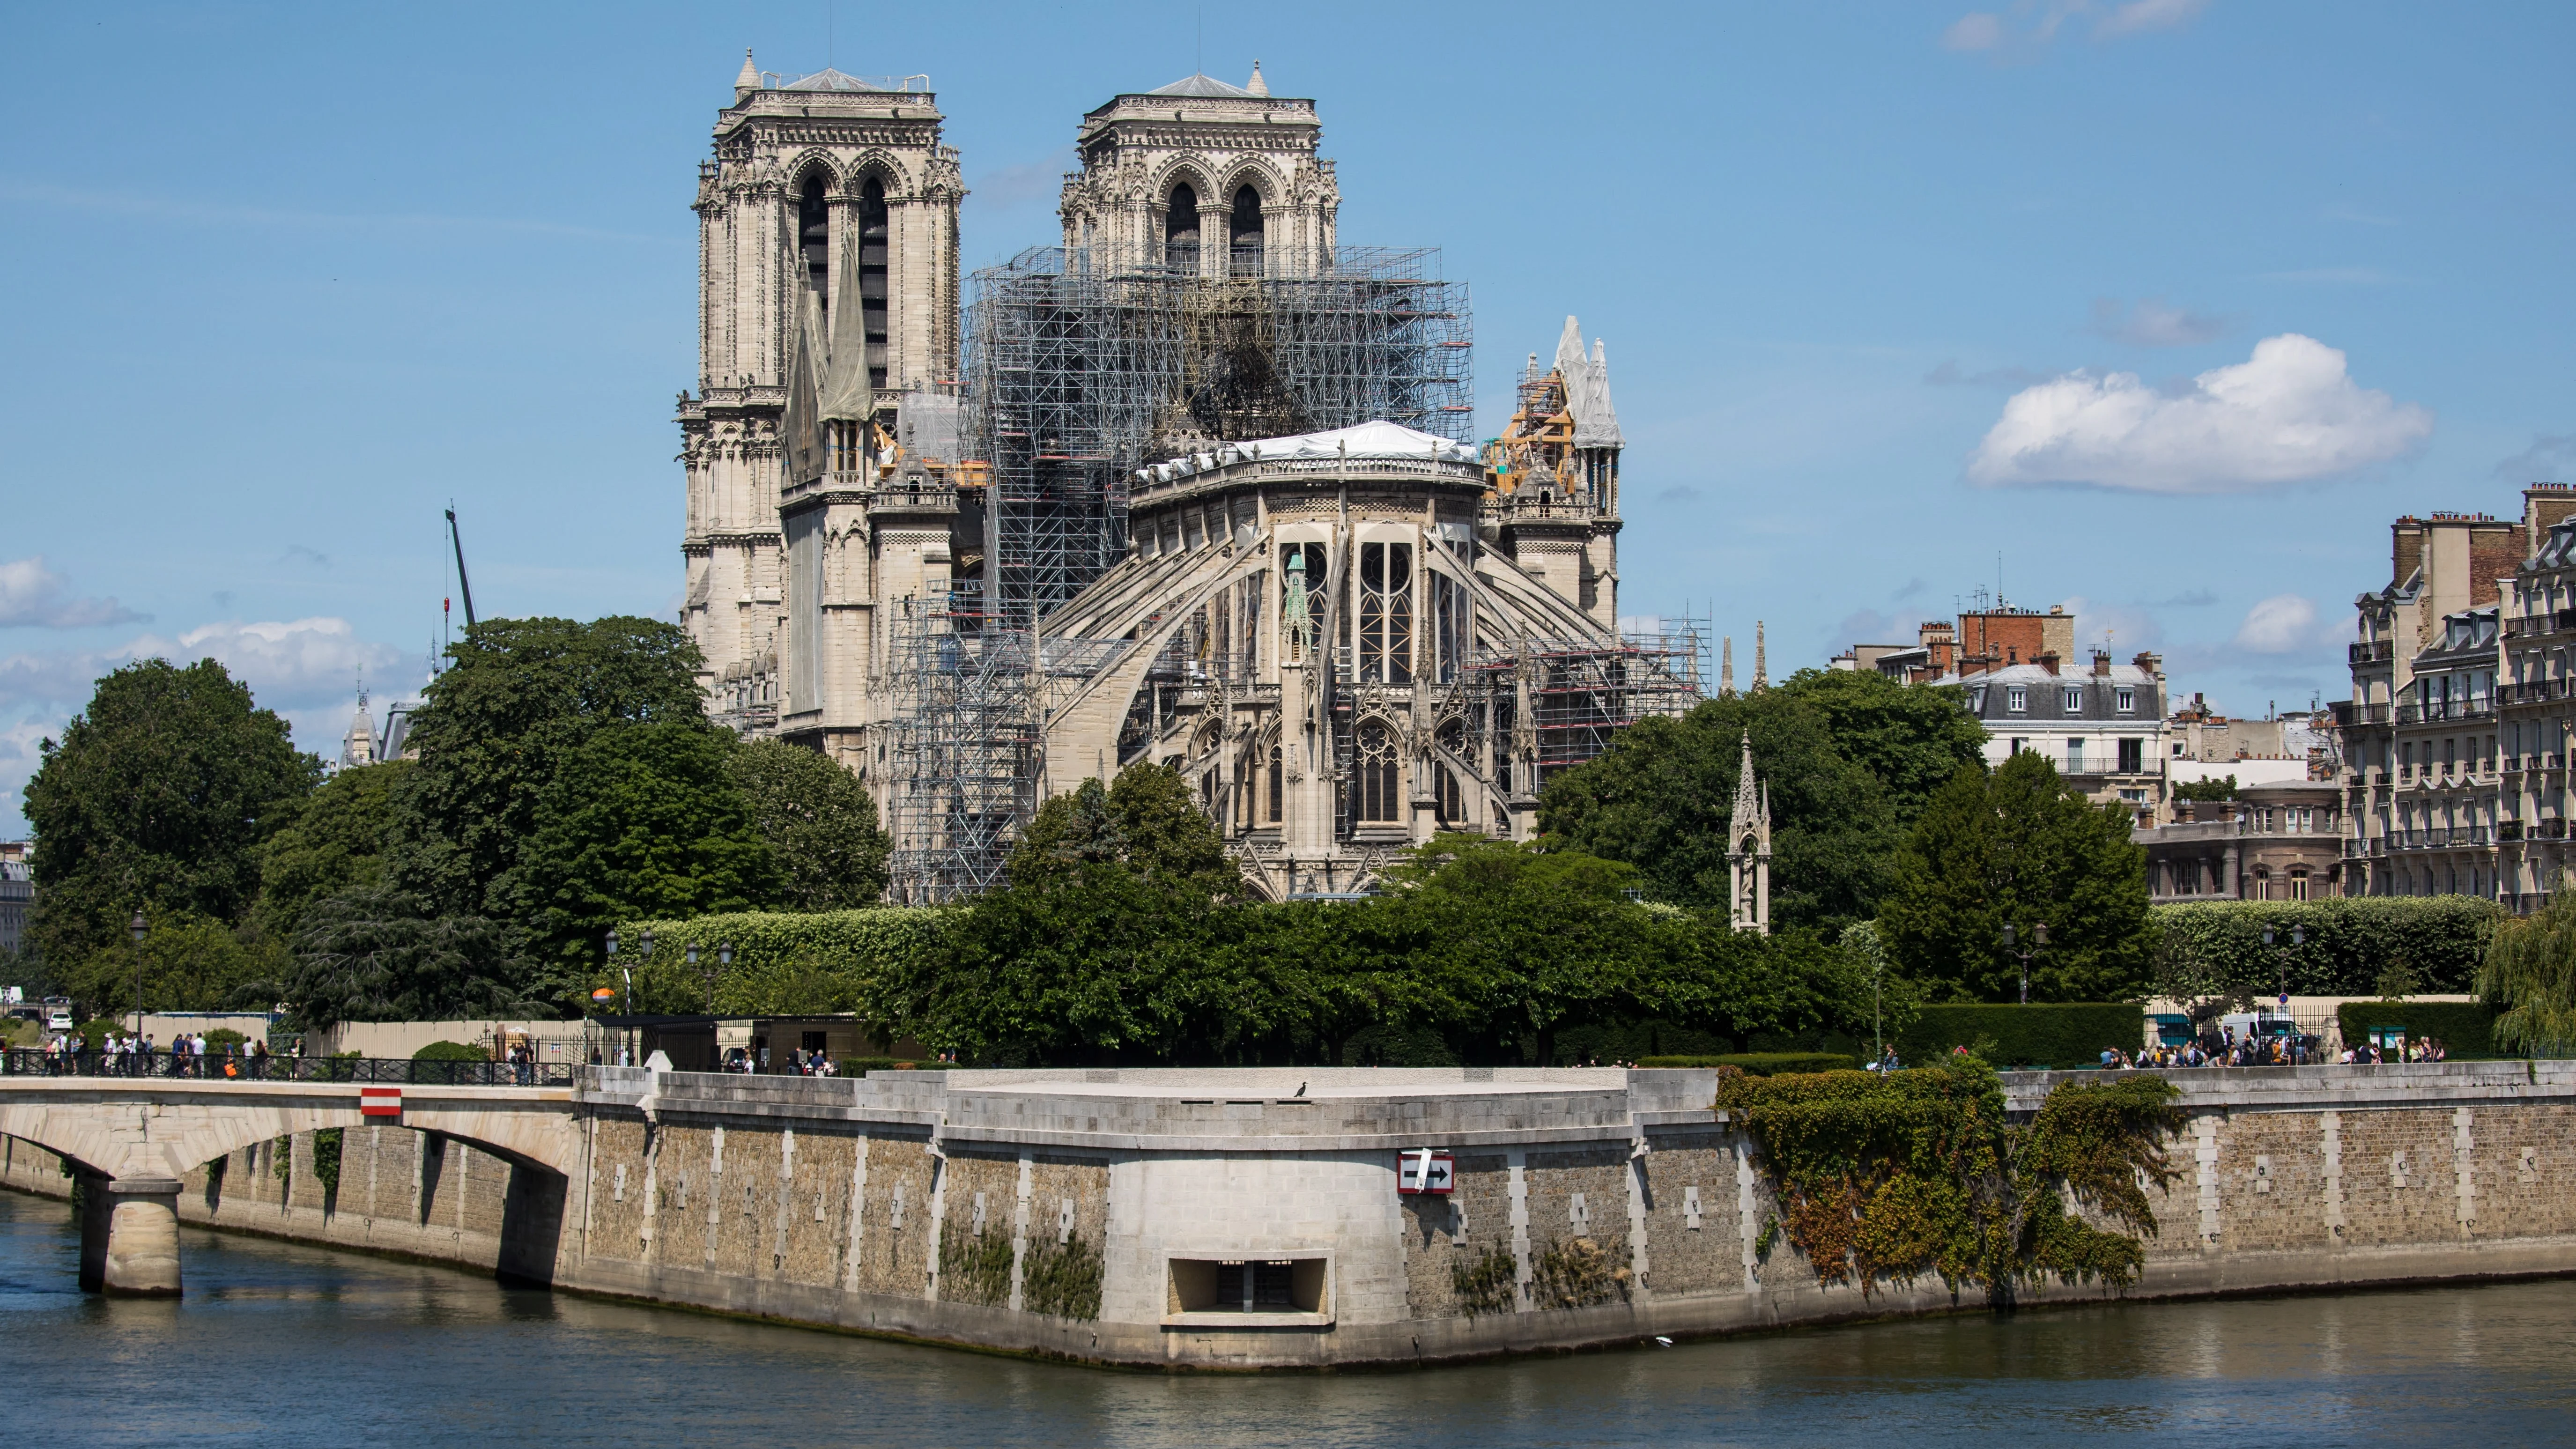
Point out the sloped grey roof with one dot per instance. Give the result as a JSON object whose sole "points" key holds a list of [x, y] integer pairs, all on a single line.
{"points": [[1199, 85], [828, 79]]}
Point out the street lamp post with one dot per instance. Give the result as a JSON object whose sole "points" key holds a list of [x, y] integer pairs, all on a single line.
{"points": [[2281, 963], [139, 928], [2038, 943], [710, 976]]}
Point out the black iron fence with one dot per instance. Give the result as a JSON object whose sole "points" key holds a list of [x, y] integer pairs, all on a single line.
{"points": [[364, 1071]]}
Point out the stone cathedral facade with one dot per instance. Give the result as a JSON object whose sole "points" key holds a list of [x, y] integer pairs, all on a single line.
{"points": [[1346, 639]]}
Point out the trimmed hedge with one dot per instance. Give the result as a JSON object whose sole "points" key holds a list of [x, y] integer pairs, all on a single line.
{"points": [[1763, 1064], [2465, 1027], [2217, 946], [784, 963], [451, 1051], [2050, 1034]]}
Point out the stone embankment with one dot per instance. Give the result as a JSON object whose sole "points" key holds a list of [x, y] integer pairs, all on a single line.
{"points": [[1252, 1218]]}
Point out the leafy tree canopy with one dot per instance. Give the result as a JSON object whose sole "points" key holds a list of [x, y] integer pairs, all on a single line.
{"points": [[2019, 846], [1912, 738], [2221, 787], [1663, 795], [519, 698], [820, 823], [329, 841], [190, 963], [158, 796], [376, 954], [1144, 821], [643, 820]]}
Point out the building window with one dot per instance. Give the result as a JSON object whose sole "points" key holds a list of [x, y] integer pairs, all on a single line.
{"points": [[2298, 882], [1276, 782], [2072, 698], [1386, 613], [2125, 700], [1377, 798], [2019, 745], [2017, 699], [1243, 233], [1977, 700], [1181, 230], [2075, 757], [2133, 757], [872, 277]]}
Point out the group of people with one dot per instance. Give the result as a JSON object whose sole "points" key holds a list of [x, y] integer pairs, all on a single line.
{"points": [[2422, 1049], [126, 1054], [2278, 1051]]}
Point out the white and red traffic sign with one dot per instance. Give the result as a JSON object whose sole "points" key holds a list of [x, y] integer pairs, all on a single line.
{"points": [[380, 1101], [1425, 1170]]}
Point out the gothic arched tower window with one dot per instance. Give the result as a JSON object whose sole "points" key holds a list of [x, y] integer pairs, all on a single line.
{"points": [[1243, 233], [1181, 230], [1378, 800], [872, 276], [814, 236]]}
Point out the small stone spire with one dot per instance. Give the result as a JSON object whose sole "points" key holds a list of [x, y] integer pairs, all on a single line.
{"points": [[1726, 668], [1748, 849], [1257, 85], [747, 82], [1761, 671]]}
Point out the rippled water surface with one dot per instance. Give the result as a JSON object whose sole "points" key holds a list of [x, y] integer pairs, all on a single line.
{"points": [[283, 1344]]}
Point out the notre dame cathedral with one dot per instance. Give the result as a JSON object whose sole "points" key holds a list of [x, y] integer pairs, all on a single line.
{"points": [[1200, 487]]}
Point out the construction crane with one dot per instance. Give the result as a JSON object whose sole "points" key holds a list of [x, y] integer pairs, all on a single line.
{"points": [[462, 586]]}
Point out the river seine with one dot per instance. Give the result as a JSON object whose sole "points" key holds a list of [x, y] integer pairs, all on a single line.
{"points": [[281, 1343]]}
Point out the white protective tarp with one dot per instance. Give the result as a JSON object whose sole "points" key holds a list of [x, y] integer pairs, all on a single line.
{"points": [[1587, 390], [1366, 441]]}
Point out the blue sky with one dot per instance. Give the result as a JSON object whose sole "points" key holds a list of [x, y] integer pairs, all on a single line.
{"points": [[2170, 305]]}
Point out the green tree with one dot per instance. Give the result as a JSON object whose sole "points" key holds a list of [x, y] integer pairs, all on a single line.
{"points": [[2219, 787], [820, 823], [1663, 795], [157, 796], [1144, 820], [519, 697], [327, 842], [643, 820], [190, 963], [2530, 971], [2020, 846], [375, 954], [1912, 738]]}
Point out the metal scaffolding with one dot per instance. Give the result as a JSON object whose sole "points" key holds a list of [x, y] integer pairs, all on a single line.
{"points": [[1076, 378], [966, 743]]}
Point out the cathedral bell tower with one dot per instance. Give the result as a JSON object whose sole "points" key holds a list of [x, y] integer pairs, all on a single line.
{"points": [[827, 233]]}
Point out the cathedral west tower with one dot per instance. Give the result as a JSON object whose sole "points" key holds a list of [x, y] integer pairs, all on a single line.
{"points": [[825, 193]]}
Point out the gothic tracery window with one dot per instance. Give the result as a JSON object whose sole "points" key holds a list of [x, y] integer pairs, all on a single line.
{"points": [[872, 237], [1386, 613], [1377, 798]]}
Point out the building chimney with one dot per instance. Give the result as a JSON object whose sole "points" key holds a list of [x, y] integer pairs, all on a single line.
{"points": [[2101, 664], [2153, 664], [2047, 661]]}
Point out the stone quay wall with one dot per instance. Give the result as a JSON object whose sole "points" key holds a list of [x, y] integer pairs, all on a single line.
{"points": [[1087, 1214]]}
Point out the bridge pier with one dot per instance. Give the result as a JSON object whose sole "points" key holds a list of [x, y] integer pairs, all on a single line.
{"points": [[139, 1248]]}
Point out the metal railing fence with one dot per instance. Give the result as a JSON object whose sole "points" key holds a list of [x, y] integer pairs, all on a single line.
{"points": [[358, 1071]]}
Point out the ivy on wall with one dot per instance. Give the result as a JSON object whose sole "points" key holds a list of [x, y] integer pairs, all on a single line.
{"points": [[1062, 1279], [1898, 1176], [1487, 1283], [974, 1267]]}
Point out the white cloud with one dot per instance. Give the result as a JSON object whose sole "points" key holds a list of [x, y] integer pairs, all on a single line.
{"points": [[2139, 16], [1977, 31], [299, 662], [2028, 26], [2549, 459], [2123, 629], [2288, 415], [2150, 323], [2281, 624], [32, 594]]}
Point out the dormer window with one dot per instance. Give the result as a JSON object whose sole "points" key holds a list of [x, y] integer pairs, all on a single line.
{"points": [[2125, 700], [2072, 697], [2017, 699]]}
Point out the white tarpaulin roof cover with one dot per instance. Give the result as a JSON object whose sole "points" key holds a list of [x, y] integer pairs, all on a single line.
{"points": [[1375, 440]]}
